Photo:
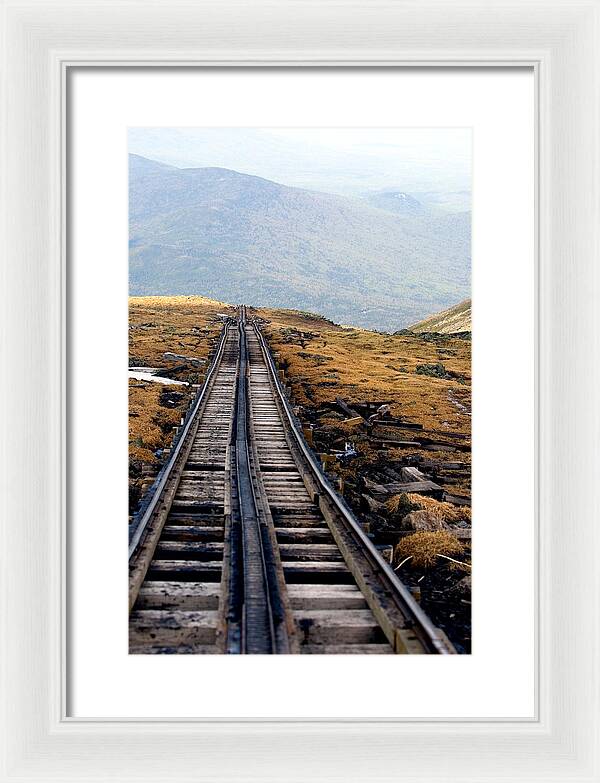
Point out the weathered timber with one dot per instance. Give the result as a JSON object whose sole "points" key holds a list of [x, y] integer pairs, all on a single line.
{"points": [[191, 596], [420, 487], [373, 486], [348, 649], [396, 442], [350, 626], [398, 423], [323, 596], [173, 627], [450, 434], [457, 500], [430, 465], [350, 412], [310, 552], [413, 474]]}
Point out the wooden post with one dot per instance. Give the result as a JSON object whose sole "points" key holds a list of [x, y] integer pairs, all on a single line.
{"points": [[326, 460], [308, 434], [387, 552], [281, 375], [416, 593]]}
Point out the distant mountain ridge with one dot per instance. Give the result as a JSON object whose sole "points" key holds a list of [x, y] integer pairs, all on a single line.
{"points": [[239, 237], [396, 201], [452, 321]]}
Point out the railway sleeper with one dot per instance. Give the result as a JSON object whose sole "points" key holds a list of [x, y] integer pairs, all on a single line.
{"points": [[282, 466], [185, 570], [189, 596], [346, 626], [193, 533], [182, 649], [172, 627], [203, 520], [299, 521], [189, 550], [193, 468], [304, 535], [188, 507], [310, 552], [347, 649], [302, 572], [324, 596], [307, 509]]}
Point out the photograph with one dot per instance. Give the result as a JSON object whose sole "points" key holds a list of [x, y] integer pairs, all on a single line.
{"points": [[347, 251], [299, 380]]}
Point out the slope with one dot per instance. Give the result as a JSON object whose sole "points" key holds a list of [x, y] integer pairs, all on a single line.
{"points": [[237, 237]]}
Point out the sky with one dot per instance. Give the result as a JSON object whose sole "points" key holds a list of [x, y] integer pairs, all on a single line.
{"points": [[431, 163]]}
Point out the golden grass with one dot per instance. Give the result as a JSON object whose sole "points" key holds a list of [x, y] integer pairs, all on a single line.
{"points": [[150, 423], [328, 361], [367, 365], [446, 512], [424, 549], [180, 324], [322, 360]]}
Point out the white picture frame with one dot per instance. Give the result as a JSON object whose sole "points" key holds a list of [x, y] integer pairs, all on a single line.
{"points": [[40, 42]]}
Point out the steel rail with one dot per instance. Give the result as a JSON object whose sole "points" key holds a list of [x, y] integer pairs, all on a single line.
{"points": [[436, 640], [138, 533], [262, 630]]}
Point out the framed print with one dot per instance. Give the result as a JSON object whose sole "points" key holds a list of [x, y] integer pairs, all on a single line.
{"points": [[405, 469], [348, 256]]}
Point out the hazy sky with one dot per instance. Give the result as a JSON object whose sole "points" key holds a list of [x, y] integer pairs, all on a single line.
{"points": [[350, 161]]}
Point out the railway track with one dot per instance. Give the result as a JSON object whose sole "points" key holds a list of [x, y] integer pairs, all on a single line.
{"points": [[244, 546]]}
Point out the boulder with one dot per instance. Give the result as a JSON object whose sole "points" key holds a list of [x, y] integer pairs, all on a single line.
{"points": [[423, 520], [463, 587]]}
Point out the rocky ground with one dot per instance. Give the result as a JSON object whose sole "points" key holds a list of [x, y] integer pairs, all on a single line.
{"points": [[389, 415], [186, 326]]}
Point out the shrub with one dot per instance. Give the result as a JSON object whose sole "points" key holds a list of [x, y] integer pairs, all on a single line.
{"points": [[403, 504], [424, 548]]}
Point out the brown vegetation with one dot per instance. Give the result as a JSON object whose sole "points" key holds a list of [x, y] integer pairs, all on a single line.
{"points": [[423, 549], [324, 361], [426, 381], [447, 512], [323, 364], [180, 324]]}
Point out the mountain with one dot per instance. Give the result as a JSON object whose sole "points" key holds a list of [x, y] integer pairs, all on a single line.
{"points": [[455, 319], [396, 201], [242, 238], [348, 161]]}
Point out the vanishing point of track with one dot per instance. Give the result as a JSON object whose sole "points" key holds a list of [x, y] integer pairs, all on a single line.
{"points": [[244, 547]]}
